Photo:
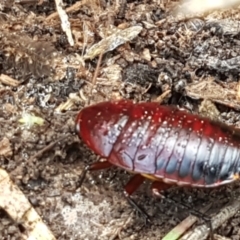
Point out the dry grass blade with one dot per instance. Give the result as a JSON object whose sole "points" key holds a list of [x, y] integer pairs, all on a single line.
{"points": [[13, 201], [183, 226], [202, 231], [66, 26], [65, 106]]}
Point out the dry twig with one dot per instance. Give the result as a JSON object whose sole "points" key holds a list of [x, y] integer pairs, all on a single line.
{"points": [[202, 232], [39, 153]]}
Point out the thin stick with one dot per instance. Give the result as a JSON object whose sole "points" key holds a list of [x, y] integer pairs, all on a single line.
{"points": [[97, 70], [49, 146], [94, 80]]}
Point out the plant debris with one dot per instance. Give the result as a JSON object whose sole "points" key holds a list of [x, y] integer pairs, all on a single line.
{"points": [[57, 57], [111, 42], [20, 210]]}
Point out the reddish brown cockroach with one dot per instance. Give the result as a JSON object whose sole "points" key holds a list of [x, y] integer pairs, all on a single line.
{"points": [[161, 143]]}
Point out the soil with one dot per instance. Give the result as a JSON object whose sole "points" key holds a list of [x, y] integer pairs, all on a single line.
{"points": [[187, 61]]}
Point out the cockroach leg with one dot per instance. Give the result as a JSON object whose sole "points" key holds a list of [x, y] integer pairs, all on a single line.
{"points": [[158, 187], [130, 188], [133, 184], [92, 167], [83, 175]]}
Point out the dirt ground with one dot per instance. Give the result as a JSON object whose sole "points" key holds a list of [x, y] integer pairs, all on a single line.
{"points": [[149, 54]]}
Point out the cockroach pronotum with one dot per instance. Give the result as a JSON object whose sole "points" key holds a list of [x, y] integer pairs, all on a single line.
{"points": [[162, 143]]}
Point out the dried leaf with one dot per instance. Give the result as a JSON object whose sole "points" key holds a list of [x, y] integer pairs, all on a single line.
{"points": [[113, 41], [228, 26]]}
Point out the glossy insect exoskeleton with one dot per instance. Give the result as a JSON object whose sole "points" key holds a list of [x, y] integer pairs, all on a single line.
{"points": [[162, 143]]}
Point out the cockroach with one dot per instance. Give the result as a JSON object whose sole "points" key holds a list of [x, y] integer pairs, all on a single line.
{"points": [[161, 143]]}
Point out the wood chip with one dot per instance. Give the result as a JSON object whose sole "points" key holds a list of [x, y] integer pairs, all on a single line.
{"points": [[5, 79], [5, 147], [65, 105], [13, 201]]}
